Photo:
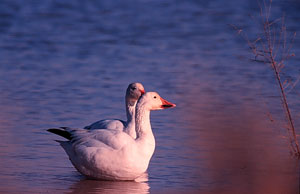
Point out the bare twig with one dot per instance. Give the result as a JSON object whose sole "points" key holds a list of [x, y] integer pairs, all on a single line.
{"points": [[272, 48]]}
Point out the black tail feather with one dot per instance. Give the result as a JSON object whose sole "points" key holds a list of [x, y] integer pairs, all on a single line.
{"points": [[61, 132]]}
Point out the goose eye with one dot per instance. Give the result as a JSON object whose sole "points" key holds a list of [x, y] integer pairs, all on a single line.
{"points": [[154, 96], [133, 88]]}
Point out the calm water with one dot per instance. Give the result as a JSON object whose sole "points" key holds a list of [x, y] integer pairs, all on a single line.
{"points": [[68, 63]]}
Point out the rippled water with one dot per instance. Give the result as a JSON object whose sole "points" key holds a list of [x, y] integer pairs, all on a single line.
{"points": [[68, 63]]}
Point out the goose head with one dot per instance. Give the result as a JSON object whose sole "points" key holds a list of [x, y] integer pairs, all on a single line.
{"points": [[153, 101], [133, 92]]}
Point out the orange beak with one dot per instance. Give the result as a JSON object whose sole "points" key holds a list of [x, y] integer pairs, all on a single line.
{"points": [[166, 104], [142, 92]]}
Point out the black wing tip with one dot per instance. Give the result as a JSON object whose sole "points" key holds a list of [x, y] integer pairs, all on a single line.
{"points": [[60, 132], [87, 127], [52, 129]]}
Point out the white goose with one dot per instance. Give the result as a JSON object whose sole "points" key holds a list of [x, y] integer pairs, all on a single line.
{"points": [[113, 154], [133, 93]]}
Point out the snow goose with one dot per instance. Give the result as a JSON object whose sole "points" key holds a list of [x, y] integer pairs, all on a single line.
{"points": [[113, 154], [133, 92]]}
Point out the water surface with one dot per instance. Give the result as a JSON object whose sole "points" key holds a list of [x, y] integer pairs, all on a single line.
{"points": [[68, 63]]}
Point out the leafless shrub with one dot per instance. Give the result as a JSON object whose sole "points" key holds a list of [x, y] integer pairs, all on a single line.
{"points": [[273, 47]]}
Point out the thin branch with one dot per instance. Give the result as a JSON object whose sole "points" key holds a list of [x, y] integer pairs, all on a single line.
{"points": [[265, 49]]}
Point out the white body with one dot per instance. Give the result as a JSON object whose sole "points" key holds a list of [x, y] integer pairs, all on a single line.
{"points": [[113, 154], [116, 160]]}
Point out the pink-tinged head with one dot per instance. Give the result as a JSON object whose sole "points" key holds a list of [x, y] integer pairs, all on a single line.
{"points": [[134, 91], [153, 101]]}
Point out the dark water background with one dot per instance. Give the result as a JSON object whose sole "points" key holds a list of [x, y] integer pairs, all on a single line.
{"points": [[68, 63]]}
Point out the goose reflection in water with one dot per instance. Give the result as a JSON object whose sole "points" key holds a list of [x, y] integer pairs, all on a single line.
{"points": [[138, 186]]}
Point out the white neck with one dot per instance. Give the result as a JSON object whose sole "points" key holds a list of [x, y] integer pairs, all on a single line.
{"points": [[130, 112], [145, 137]]}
